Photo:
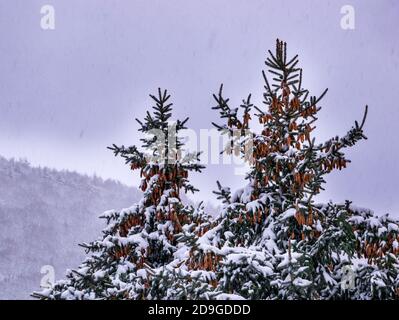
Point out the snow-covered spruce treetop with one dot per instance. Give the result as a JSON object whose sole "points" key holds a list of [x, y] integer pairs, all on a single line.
{"points": [[144, 237], [271, 241]]}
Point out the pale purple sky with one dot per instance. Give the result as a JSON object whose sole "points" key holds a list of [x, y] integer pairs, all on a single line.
{"points": [[68, 93]]}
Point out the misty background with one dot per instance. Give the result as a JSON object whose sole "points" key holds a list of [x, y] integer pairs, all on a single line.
{"points": [[67, 94], [44, 215]]}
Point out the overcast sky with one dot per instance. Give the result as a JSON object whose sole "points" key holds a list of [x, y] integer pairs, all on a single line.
{"points": [[66, 94]]}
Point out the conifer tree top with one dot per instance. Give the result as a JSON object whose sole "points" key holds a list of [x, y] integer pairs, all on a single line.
{"points": [[162, 156], [270, 240], [286, 161]]}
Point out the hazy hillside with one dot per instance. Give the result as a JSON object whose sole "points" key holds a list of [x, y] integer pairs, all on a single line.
{"points": [[44, 214]]}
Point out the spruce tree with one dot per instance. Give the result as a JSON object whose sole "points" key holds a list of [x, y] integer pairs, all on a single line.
{"points": [[140, 239], [271, 240]]}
